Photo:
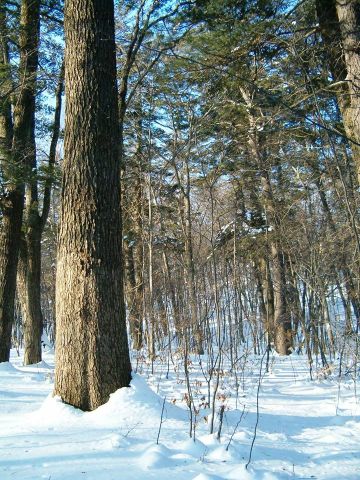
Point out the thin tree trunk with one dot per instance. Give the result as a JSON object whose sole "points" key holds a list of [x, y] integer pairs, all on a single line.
{"points": [[18, 162], [172, 294], [11, 208], [190, 277], [133, 201], [266, 293], [347, 279], [150, 309], [29, 277], [29, 269], [135, 297]]}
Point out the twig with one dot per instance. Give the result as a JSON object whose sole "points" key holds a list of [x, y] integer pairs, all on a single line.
{"points": [[236, 426], [257, 409], [161, 421], [221, 418]]}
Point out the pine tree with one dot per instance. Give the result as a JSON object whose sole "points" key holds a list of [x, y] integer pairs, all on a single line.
{"points": [[92, 358], [18, 153]]}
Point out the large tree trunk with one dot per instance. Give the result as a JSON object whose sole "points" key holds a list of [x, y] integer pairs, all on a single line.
{"points": [[30, 262], [17, 162], [348, 12], [92, 357], [339, 22]]}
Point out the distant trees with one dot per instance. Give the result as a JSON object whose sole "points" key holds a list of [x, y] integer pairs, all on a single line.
{"points": [[238, 150], [149, 31], [254, 80]]}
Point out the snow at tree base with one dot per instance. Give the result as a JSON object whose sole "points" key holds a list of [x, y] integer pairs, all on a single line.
{"points": [[306, 429]]}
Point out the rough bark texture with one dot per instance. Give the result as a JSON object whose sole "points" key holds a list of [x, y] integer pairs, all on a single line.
{"points": [[92, 357], [339, 22], [30, 247], [348, 12], [9, 247], [8, 228], [17, 162]]}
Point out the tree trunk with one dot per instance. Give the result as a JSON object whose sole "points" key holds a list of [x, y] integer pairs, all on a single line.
{"points": [[282, 320], [92, 356], [29, 276], [172, 294], [190, 268], [133, 244], [134, 297], [348, 12], [9, 247], [11, 209], [266, 294], [29, 269], [283, 332], [17, 161], [339, 22]]}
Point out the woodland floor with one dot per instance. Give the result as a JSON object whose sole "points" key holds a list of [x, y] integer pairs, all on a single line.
{"points": [[306, 429]]}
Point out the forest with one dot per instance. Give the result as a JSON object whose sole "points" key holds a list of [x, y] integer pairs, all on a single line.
{"points": [[179, 192]]}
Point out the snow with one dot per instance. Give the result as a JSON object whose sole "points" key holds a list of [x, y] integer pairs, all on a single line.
{"points": [[306, 429]]}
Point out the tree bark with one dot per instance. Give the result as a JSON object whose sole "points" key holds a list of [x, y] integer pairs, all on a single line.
{"points": [[28, 285], [134, 295], [266, 294], [10, 206], [282, 320], [133, 241], [339, 22], [29, 269], [348, 12], [92, 356], [190, 274], [17, 161]]}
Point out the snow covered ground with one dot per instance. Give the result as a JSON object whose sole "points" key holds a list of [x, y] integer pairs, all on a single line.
{"points": [[306, 429]]}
